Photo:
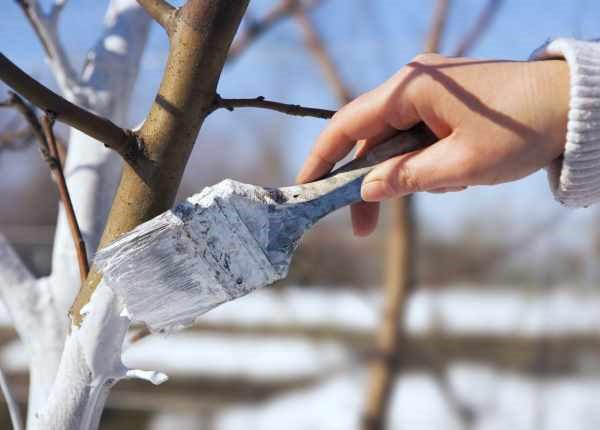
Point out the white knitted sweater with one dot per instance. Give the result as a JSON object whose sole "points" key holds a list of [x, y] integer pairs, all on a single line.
{"points": [[575, 177]]}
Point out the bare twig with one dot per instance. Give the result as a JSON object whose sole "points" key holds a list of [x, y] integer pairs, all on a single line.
{"points": [[57, 8], [316, 47], [257, 28], [440, 15], [45, 26], [13, 406], [481, 25], [52, 155], [28, 113], [55, 165], [261, 102], [121, 140], [161, 11]]}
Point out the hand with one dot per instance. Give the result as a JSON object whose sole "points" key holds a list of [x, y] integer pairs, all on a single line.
{"points": [[497, 121]]}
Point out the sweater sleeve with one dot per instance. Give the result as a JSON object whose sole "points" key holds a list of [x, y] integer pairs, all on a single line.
{"points": [[575, 176]]}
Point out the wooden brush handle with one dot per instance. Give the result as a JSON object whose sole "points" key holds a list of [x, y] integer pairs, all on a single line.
{"points": [[341, 187], [418, 137]]}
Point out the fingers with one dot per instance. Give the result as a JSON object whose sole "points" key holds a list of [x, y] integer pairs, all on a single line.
{"points": [[364, 218], [445, 164], [367, 117]]}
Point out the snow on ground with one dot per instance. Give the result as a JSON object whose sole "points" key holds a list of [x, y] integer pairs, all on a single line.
{"points": [[500, 401], [272, 358], [459, 310], [467, 310]]}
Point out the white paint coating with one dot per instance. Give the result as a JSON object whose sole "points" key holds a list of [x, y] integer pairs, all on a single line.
{"points": [[74, 399], [116, 44], [195, 257]]}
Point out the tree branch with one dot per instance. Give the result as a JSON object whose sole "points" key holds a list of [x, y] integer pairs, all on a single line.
{"points": [[28, 113], [317, 48], [201, 37], [434, 37], [56, 9], [13, 406], [121, 140], [52, 156], [255, 29], [46, 29], [55, 165], [262, 103], [161, 11], [481, 25]]}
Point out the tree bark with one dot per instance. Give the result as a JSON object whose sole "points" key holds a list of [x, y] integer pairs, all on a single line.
{"points": [[200, 39]]}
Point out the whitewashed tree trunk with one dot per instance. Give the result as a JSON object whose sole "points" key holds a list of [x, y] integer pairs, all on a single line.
{"points": [[70, 376]]}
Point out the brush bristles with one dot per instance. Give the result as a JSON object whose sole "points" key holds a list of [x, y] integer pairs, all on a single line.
{"points": [[183, 263]]}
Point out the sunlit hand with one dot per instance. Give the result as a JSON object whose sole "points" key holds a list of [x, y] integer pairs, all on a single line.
{"points": [[497, 121]]}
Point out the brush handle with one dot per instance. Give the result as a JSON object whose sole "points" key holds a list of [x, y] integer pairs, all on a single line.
{"points": [[341, 187]]}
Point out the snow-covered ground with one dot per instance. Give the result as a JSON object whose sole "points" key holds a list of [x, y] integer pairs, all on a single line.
{"points": [[495, 399]]}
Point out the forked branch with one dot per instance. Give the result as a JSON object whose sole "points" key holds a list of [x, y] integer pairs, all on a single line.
{"points": [[121, 140], [161, 11], [317, 48], [45, 26], [257, 28], [481, 25], [52, 156], [56, 169]]}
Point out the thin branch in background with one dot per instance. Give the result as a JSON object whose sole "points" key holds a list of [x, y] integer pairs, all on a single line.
{"points": [[161, 11], [257, 28], [11, 403], [45, 26], [400, 273], [262, 103], [52, 156], [15, 140], [58, 174], [481, 25], [112, 136], [434, 37], [315, 45], [14, 101]]}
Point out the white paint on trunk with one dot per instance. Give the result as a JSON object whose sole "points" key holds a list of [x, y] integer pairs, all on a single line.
{"points": [[89, 357]]}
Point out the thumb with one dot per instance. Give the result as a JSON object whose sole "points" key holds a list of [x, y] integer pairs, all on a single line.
{"points": [[440, 165]]}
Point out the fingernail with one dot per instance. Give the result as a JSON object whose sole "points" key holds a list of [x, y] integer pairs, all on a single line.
{"points": [[375, 191]]}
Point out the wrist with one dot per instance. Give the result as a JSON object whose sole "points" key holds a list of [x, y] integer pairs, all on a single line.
{"points": [[550, 79]]}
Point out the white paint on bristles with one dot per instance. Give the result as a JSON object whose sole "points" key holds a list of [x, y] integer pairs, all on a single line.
{"points": [[193, 258]]}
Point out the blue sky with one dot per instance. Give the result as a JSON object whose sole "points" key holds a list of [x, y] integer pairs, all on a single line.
{"points": [[369, 41]]}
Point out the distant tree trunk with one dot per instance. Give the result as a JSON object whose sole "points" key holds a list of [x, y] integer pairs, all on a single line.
{"points": [[400, 271]]}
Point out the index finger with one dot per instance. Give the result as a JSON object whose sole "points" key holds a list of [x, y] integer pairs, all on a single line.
{"points": [[360, 119]]}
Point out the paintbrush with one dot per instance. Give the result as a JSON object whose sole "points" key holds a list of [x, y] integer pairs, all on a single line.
{"points": [[229, 240]]}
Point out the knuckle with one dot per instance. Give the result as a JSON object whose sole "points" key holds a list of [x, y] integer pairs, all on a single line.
{"points": [[427, 59], [406, 180]]}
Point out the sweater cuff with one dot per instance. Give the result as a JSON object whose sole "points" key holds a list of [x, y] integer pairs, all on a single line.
{"points": [[575, 176]]}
